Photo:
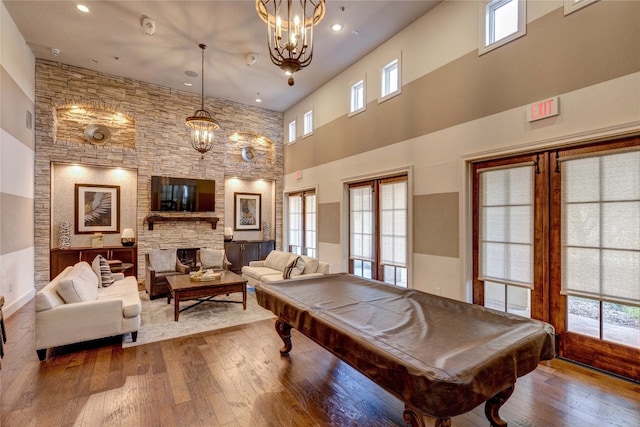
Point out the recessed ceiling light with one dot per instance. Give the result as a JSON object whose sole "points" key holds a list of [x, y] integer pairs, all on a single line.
{"points": [[188, 84], [336, 27], [82, 8], [258, 98]]}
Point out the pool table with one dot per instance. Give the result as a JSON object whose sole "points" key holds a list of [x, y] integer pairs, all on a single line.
{"points": [[441, 357]]}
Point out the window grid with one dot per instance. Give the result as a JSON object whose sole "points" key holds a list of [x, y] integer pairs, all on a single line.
{"points": [[301, 225], [501, 21]]}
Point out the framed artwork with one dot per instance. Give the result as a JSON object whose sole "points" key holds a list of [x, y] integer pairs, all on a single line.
{"points": [[97, 209], [247, 211]]}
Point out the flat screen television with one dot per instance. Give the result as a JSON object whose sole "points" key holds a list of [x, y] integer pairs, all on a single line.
{"points": [[171, 194]]}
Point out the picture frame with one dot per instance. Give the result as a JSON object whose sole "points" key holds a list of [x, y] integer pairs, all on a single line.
{"points": [[97, 209], [247, 208]]}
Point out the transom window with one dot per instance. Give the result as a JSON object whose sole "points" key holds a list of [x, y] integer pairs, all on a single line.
{"points": [[308, 123], [292, 132], [357, 100], [390, 81], [501, 21]]}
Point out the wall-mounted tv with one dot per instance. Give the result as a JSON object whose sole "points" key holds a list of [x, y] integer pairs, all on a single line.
{"points": [[171, 194]]}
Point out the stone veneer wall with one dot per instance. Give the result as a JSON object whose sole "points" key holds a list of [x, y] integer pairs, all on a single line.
{"points": [[161, 148]]}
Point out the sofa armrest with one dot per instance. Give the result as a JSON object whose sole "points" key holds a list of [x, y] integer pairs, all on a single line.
{"points": [[256, 263], [184, 269], [80, 321]]}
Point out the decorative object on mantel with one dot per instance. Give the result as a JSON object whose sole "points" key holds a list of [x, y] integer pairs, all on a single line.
{"points": [[64, 235], [228, 234], [292, 50], [128, 237], [248, 154], [153, 218], [97, 134], [97, 240], [202, 125], [266, 231]]}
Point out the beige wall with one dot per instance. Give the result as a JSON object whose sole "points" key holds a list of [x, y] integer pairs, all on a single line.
{"points": [[456, 106], [161, 148], [16, 166]]}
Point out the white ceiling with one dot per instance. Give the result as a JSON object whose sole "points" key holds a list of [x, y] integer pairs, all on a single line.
{"points": [[110, 39]]}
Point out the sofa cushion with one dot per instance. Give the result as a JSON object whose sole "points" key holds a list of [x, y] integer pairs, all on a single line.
{"points": [[80, 284], [127, 291], [294, 268], [310, 264], [163, 260], [258, 272], [277, 260], [48, 298], [102, 269], [211, 258]]}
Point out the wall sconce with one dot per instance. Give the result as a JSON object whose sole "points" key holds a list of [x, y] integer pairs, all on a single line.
{"points": [[128, 237]]}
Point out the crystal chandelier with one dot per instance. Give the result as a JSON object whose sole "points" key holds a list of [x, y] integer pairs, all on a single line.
{"points": [[290, 31], [201, 124]]}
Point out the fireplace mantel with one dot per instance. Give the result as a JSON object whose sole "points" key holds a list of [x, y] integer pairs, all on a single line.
{"points": [[153, 218]]}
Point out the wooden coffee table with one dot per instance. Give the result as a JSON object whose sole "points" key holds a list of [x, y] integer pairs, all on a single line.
{"points": [[181, 288]]}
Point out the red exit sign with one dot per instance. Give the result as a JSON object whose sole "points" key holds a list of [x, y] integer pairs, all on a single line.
{"points": [[543, 109]]}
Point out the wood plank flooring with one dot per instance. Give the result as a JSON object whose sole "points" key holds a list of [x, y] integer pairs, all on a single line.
{"points": [[236, 377]]}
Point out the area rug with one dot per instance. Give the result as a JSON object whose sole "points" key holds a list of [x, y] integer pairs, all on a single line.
{"points": [[157, 322]]}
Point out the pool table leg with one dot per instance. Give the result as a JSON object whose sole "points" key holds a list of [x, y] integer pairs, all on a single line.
{"points": [[414, 419], [284, 331], [493, 405]]}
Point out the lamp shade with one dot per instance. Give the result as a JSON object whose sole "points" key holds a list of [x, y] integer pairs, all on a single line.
{"points": [[128, 237], [228, 234]]}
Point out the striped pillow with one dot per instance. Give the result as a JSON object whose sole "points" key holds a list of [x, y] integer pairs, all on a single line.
{"points": [[294, 267], [103, 271]]}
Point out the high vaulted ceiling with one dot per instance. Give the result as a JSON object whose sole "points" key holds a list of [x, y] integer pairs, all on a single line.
{"points": [[110, 39]]}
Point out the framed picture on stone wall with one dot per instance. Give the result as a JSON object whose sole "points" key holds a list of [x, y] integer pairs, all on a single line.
{"points": [[247, 211], [97, 209]]}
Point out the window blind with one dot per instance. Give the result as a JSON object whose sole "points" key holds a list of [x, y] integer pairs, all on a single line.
{"points": [[506, 225], [601, 227], [393, 223]]}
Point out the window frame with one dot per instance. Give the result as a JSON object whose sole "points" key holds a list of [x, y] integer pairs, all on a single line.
{"points": [[486, 8], [307, 119], [363, 83], [292, 129], [571, 6], [302, 194], [384, 73]]}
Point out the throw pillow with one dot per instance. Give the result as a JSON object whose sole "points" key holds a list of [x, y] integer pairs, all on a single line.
{"points": [[163, 260], [101, 267], [211, 258], [294, 267], [80, 284], [106, 276]]}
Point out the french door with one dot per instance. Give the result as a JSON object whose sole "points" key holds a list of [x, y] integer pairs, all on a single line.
{"points": [[561, 230], [302, 223], [378, 229]]}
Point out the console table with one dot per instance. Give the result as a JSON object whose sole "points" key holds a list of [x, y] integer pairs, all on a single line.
{"points": [[62, 258], [241, 252]]}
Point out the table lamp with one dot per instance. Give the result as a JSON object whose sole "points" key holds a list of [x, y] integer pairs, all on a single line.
{"points": [[228, 234], [128, 237]]}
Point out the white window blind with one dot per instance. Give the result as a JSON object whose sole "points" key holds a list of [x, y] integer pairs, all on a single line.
{"points": [[310, 224], [601, 227], [393, 223], [361, 207], [295, 222], [506, 225]]}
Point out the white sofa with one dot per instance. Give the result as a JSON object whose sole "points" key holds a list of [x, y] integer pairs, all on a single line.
{"points": [[272, 268], [74, 307]]}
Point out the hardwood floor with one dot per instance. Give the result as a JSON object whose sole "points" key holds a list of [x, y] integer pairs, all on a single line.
{"points": [[236, 377]]}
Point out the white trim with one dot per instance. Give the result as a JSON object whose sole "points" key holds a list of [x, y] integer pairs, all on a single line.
{"points": [[571, 6], [483, 45], [364, 96], [307, 114], [295, 132], [398, 60]]}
